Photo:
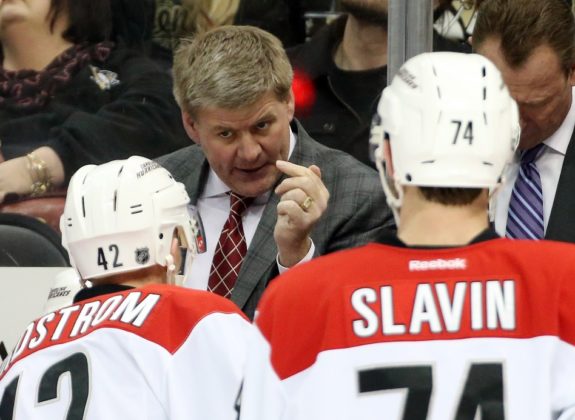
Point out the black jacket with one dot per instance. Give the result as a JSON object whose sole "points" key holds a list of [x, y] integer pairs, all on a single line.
{"points": [[85, 124], [330, 120]]}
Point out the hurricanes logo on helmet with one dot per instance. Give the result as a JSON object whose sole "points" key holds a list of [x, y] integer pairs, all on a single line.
{"points": [[142, 255]]}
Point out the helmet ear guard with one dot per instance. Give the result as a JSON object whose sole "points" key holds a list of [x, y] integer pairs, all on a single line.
{"points": [[450, 122], [379, 135], [121, 216]]}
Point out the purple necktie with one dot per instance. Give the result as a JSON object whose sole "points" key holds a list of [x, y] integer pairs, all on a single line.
{"points": [[525, 216]]}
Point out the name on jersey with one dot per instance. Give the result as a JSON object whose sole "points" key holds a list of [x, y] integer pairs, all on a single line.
{"points": [[472, 305], [73, 321]]}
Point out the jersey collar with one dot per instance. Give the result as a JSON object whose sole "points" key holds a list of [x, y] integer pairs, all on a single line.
{"points": [[95, 291], [389, 238]]}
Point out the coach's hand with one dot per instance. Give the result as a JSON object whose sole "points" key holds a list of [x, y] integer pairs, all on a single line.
{"points": [[303, 199]]}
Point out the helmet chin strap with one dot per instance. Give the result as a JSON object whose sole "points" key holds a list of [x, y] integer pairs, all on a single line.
{"points": [[170, 270]]}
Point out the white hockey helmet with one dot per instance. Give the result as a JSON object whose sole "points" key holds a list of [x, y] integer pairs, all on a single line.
{"points": [[121, 217], [450, 121]]}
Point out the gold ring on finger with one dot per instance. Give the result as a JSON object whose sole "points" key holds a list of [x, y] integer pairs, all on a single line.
{"points": [[306, 203]]}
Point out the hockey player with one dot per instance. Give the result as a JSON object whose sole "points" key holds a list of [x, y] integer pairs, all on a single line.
{"points": [[133, 346], [445, 320]]}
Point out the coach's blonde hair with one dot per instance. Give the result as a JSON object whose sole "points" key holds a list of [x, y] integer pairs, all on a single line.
{"points": [[230, 67]]}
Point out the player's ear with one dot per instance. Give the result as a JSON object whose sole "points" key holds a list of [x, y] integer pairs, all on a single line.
{"points": [[191, 126], [175, 247], [388, 158]]}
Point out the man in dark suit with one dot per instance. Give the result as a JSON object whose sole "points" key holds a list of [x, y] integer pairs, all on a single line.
{"points": [[256, 167], [532, 44]]}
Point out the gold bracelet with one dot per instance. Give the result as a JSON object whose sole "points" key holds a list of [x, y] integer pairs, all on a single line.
{"points": [[41, 180]]}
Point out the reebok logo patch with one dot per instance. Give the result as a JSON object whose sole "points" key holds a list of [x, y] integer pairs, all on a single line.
{"points": [[438, 264]]}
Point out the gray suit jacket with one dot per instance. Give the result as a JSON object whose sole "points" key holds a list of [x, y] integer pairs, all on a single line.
{"points": [[357, 212]]}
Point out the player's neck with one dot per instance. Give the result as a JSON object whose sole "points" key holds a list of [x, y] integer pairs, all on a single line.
{"points": [[139, 278], [363, 47], [431, 224]]}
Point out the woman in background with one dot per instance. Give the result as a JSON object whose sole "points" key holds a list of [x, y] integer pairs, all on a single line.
{"points": [[69, 96]]}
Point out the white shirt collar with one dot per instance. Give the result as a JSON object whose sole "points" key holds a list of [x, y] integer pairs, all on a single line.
{"points": [[216, 187], [559, 140]]}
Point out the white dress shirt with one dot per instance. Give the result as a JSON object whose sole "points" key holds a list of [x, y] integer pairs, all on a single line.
{"points": [[214, 208], [549, 165]]}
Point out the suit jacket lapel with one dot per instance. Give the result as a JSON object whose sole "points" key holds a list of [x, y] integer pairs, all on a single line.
{"points": [[261, 256], [196, 180], [189, 166], [561, 226]]}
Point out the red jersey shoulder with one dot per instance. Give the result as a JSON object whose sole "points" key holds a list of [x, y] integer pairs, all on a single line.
{"points": [[305, 280], [179, 311], [323, 276], [317, 281], [193, 304], [164, 315], [380, 293]]}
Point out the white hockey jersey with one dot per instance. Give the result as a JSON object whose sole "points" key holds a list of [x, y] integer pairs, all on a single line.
{"points": [[159, 352], [485, 331]]}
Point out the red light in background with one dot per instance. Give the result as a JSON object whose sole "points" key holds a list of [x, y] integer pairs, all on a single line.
{"points": [[304, 92]]}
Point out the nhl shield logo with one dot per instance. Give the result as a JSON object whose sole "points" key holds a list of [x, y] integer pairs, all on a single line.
{"points": [[142, 255]]}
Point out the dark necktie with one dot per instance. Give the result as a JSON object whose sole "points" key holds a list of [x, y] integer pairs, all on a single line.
{"points": [[231, 249], [525, 215]]}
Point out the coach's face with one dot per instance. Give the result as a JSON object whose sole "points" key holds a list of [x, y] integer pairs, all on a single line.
{"points": [[242, 145], [540, 87]]}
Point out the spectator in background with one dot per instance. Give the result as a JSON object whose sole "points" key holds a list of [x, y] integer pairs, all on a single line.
{"points": [[233, 85], [455, 20], [69, 96], [133, 22], [532, 42], [340, 74], [175, 19], [283, 18]]}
